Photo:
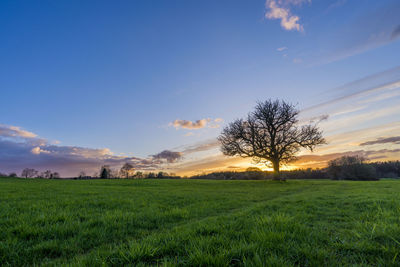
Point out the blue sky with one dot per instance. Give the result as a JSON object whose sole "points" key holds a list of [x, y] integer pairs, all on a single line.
{"points": [[112, 77]]}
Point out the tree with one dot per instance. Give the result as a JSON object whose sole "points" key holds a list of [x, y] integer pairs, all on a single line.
{"points": [[127, 170], [352, 168], [113, 174], [105, 172], [47, 174], [139, 175], [270, 134], [29, 173], [162, 174], [82, 174]]}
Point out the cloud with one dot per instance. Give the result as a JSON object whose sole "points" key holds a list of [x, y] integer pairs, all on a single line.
{"points": [[393, 139], [169, 156], [203, 146], [21, 149], [14, 131], [195, 125], [233, 167], [68, 161], [280, 49], [280, 10], [319, 119], [37, 150], [190, 124], [384, 81]]}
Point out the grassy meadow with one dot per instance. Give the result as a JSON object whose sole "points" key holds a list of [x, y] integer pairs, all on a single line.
{"points": [[199, 222]]}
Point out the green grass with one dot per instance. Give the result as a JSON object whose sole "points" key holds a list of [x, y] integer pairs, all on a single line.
{"points": [[198, 222]]}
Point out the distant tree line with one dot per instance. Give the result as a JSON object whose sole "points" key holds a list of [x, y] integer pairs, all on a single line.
{"points": [[32, 173], [343, 168], [265, 175], [127, 171]]}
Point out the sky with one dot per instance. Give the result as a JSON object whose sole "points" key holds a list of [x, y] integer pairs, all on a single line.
{"points": [[87, 83]]}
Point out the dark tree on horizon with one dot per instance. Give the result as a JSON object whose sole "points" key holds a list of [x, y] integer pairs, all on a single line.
{"points": [[105, 172], [271, 134], [29, 173]]}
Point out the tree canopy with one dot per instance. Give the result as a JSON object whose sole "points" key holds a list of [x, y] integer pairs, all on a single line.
{"points": [[270, 134]]}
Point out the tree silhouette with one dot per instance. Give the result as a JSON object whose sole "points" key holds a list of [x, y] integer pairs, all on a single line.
{"points": [[105, 172], [127, 170], [270, 134], [29, 173], [47, 174]]}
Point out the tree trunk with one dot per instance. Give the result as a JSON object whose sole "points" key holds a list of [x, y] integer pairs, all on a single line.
{"points": [[275, 164]]}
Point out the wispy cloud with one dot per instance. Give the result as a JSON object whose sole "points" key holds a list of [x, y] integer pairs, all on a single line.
{"points": [[376, 83], [386, 140], [361, 34], [278, 9], [195, 125], [15, 132], [280, 49], [202, 146]]}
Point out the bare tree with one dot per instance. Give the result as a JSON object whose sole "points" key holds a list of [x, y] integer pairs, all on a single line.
{"points": [[139, 175], [82, 174], [127, 170], [270, 134], [29, 173], [47, 174]]}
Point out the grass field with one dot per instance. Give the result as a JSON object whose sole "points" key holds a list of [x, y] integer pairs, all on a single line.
{"points": [[199, 222]]}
